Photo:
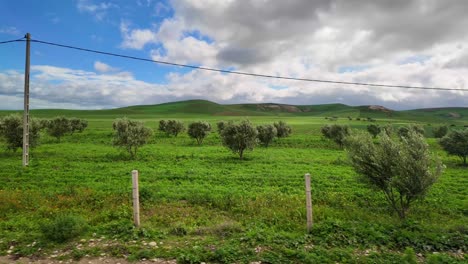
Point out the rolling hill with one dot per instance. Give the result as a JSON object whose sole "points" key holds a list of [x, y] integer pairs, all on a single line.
{"points": [[207, 108]]}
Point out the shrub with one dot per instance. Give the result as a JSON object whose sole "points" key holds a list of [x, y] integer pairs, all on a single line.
{"points": [[221, 125], [64, 228], [440, 131], [266, 134], [130, 135], [162, 125], [388, 130], [44, 123], [174, 127], [77, 125], [199, 130], [282, 129], [456, 143], [402, 169], [239, 137], [374, 130], [11, 129], [337, 133], [58, 127], [404, 131]]}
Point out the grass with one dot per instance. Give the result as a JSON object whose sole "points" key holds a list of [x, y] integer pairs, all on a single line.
{"points": [[200, 203]]}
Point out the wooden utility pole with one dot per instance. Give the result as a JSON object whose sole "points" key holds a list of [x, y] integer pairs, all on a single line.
{"points": [[136, 199], [310, 220], [26, 103]]}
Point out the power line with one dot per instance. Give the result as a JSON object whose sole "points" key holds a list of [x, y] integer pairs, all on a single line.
{"points": [[245, 73], [13, 40]]}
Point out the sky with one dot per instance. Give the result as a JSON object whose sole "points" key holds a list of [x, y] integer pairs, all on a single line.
{"points": [[397, 42]]}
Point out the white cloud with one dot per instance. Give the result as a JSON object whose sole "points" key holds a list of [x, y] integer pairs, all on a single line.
{"points": [[10, 31], [99, 11], [136, 38], [103, 68], [56, 87]]}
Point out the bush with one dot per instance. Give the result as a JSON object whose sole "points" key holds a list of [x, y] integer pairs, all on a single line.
{"points": [[456, 143], [374, 130], [162, 125], [11, 129], [221, 125], [404, 131], [199, 130], [58, 127], [64, 228], [337, 133], [403, 170], [174, 127], [282, 129], [239, 137], [130, 135], [77, 125], [388, 130], [440, 131], [266, 134]]}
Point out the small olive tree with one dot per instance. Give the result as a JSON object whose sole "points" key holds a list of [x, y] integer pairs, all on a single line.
{"points": [[337, 133], [174, 127], [402, 169], [266, 134], [374, 130], [58, 127], [456, 143], [404, 131], [162, 125], [77, 125], [221, 125], [440, 131], [11, 129], [239, 137], [199, 131], [130, 135], [282, 129]]}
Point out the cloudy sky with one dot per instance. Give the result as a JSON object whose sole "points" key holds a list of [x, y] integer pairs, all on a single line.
{"points": [[400, 42]]}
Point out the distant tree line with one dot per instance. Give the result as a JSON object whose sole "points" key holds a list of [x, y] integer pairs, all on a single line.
{"points": [[11, 129]]}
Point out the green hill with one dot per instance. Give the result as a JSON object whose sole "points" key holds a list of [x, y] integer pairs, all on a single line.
{"points": [[192, 108]]}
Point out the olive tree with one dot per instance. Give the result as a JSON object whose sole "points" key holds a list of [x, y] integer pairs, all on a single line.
{"points": [[282, 129], [456, 143], [11, 129], [404, 131], [337, 133], [130, 135], [266, 134], [374, 130], [174, 127], [221, 125], [403, 169], [440, 131], [239, 137], [58, 127], [199, 131], [162, 125], [77, 125]]}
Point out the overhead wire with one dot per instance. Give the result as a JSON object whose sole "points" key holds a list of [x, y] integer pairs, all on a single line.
{"points": [[13, 40], [239, 72]]}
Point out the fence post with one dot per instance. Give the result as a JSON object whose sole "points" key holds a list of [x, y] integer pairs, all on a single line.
{"points": [[136, 200], [310, 220]]}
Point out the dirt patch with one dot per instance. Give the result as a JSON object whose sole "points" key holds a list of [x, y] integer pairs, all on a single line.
{"points": [[454, 115], [379, 108]]}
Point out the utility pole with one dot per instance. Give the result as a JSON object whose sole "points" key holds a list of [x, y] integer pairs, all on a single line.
{"points": [[26, 104]]}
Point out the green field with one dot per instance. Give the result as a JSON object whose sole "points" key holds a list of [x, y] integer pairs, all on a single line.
{"points": [[202, 204]]}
